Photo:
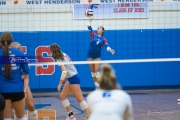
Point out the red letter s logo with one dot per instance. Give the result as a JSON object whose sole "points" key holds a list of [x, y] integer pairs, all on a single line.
{"points": [[40, 70]]}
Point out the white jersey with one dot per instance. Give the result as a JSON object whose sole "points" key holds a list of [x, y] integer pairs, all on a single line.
{"points": [[110, 105], [71, 70]]}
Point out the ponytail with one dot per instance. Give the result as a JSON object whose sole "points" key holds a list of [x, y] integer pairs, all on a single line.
{"points": [[6, 40], [107, 79], [7, 66], [103, 30], [56, 52]]}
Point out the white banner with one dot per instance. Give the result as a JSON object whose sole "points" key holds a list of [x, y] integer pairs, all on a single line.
{"points": [[47, 2], [108, 11]]}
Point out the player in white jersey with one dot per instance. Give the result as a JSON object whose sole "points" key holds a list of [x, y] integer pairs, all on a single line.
{"points": [[109, 102], [29, 101], [72, 85]]}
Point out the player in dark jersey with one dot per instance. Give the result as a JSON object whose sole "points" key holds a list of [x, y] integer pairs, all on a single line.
{"points": [[12, 88], [94, 52]]}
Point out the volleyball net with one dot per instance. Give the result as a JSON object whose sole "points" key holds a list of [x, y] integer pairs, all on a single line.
{"points": [[144, 34]]}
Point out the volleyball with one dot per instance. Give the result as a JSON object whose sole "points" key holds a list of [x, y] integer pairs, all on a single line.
{"points": [[89, 12], [15, 1]]}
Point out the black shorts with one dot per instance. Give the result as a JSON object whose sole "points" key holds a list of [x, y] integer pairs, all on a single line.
{"points": [[13, 96], [2, 103]]}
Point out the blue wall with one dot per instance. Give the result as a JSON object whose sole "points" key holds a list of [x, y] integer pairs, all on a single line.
{"points": [[128, 44]]}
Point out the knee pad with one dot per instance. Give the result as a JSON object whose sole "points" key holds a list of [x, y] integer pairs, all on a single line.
{"points": [[93, 74], [83, 105], [23, 118], [33, 115], [97, 74], [65, 103]]}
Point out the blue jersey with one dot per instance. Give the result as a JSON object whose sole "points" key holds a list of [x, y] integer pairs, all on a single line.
{"points": [[96, 42], [14, 84]]}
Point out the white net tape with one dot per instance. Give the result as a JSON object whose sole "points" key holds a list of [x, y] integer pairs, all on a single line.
{"points": [[109, 61]]}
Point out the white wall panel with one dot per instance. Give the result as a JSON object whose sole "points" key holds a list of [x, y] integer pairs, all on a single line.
{"points": [[56, 21]]}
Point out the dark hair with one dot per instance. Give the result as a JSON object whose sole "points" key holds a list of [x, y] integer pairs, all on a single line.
{"points": [[56, 52], [107, 80], [6, 40], [1, 46], [103, 30]]}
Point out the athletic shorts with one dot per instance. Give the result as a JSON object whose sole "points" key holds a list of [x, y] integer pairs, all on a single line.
{"points": [[74, 79], [13, 96], [2, 103], [93, 54]]}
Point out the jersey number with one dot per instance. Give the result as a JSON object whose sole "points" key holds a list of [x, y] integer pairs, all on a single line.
{"points": [[107, 94]]}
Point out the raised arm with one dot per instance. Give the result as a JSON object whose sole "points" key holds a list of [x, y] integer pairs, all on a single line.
{"points": [[92, 33]]}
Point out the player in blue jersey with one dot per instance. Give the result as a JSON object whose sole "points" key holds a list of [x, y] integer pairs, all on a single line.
{"points": [[94, 52], [12, 87], [32, 112], [2, 102], [72, 85]]}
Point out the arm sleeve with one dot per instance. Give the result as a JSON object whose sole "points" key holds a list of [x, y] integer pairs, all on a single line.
{"points": [[106, 43], [92, 33], [24, 65]]}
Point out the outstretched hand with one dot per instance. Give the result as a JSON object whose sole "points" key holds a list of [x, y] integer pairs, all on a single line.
{"points": [[112, 51]]}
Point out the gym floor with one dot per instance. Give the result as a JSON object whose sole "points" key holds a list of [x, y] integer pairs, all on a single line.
{"points": [[147, 104]]}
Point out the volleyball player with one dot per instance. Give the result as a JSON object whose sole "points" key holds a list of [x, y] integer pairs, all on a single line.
{"points": [[29, 101], [12, 87], [109, 102], [2, 106], [94, 52], [72, 85]]}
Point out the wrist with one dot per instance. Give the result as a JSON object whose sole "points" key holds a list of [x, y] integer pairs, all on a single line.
{"points": [[108, 49]]}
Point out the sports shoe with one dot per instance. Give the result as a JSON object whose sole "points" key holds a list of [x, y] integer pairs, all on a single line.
{"points": [[178, 100], [71, 118]]}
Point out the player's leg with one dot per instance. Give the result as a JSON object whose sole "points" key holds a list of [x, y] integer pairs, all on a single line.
{"points": [[7, 110], [93, 72], [74, 84], [29, 101], [18, 103], [96, 70], [91, 56], [65, 102], [92, 68]]}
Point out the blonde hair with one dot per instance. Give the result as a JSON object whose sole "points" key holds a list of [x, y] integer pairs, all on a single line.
{"points": [[15, 43], [107, 80]]}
